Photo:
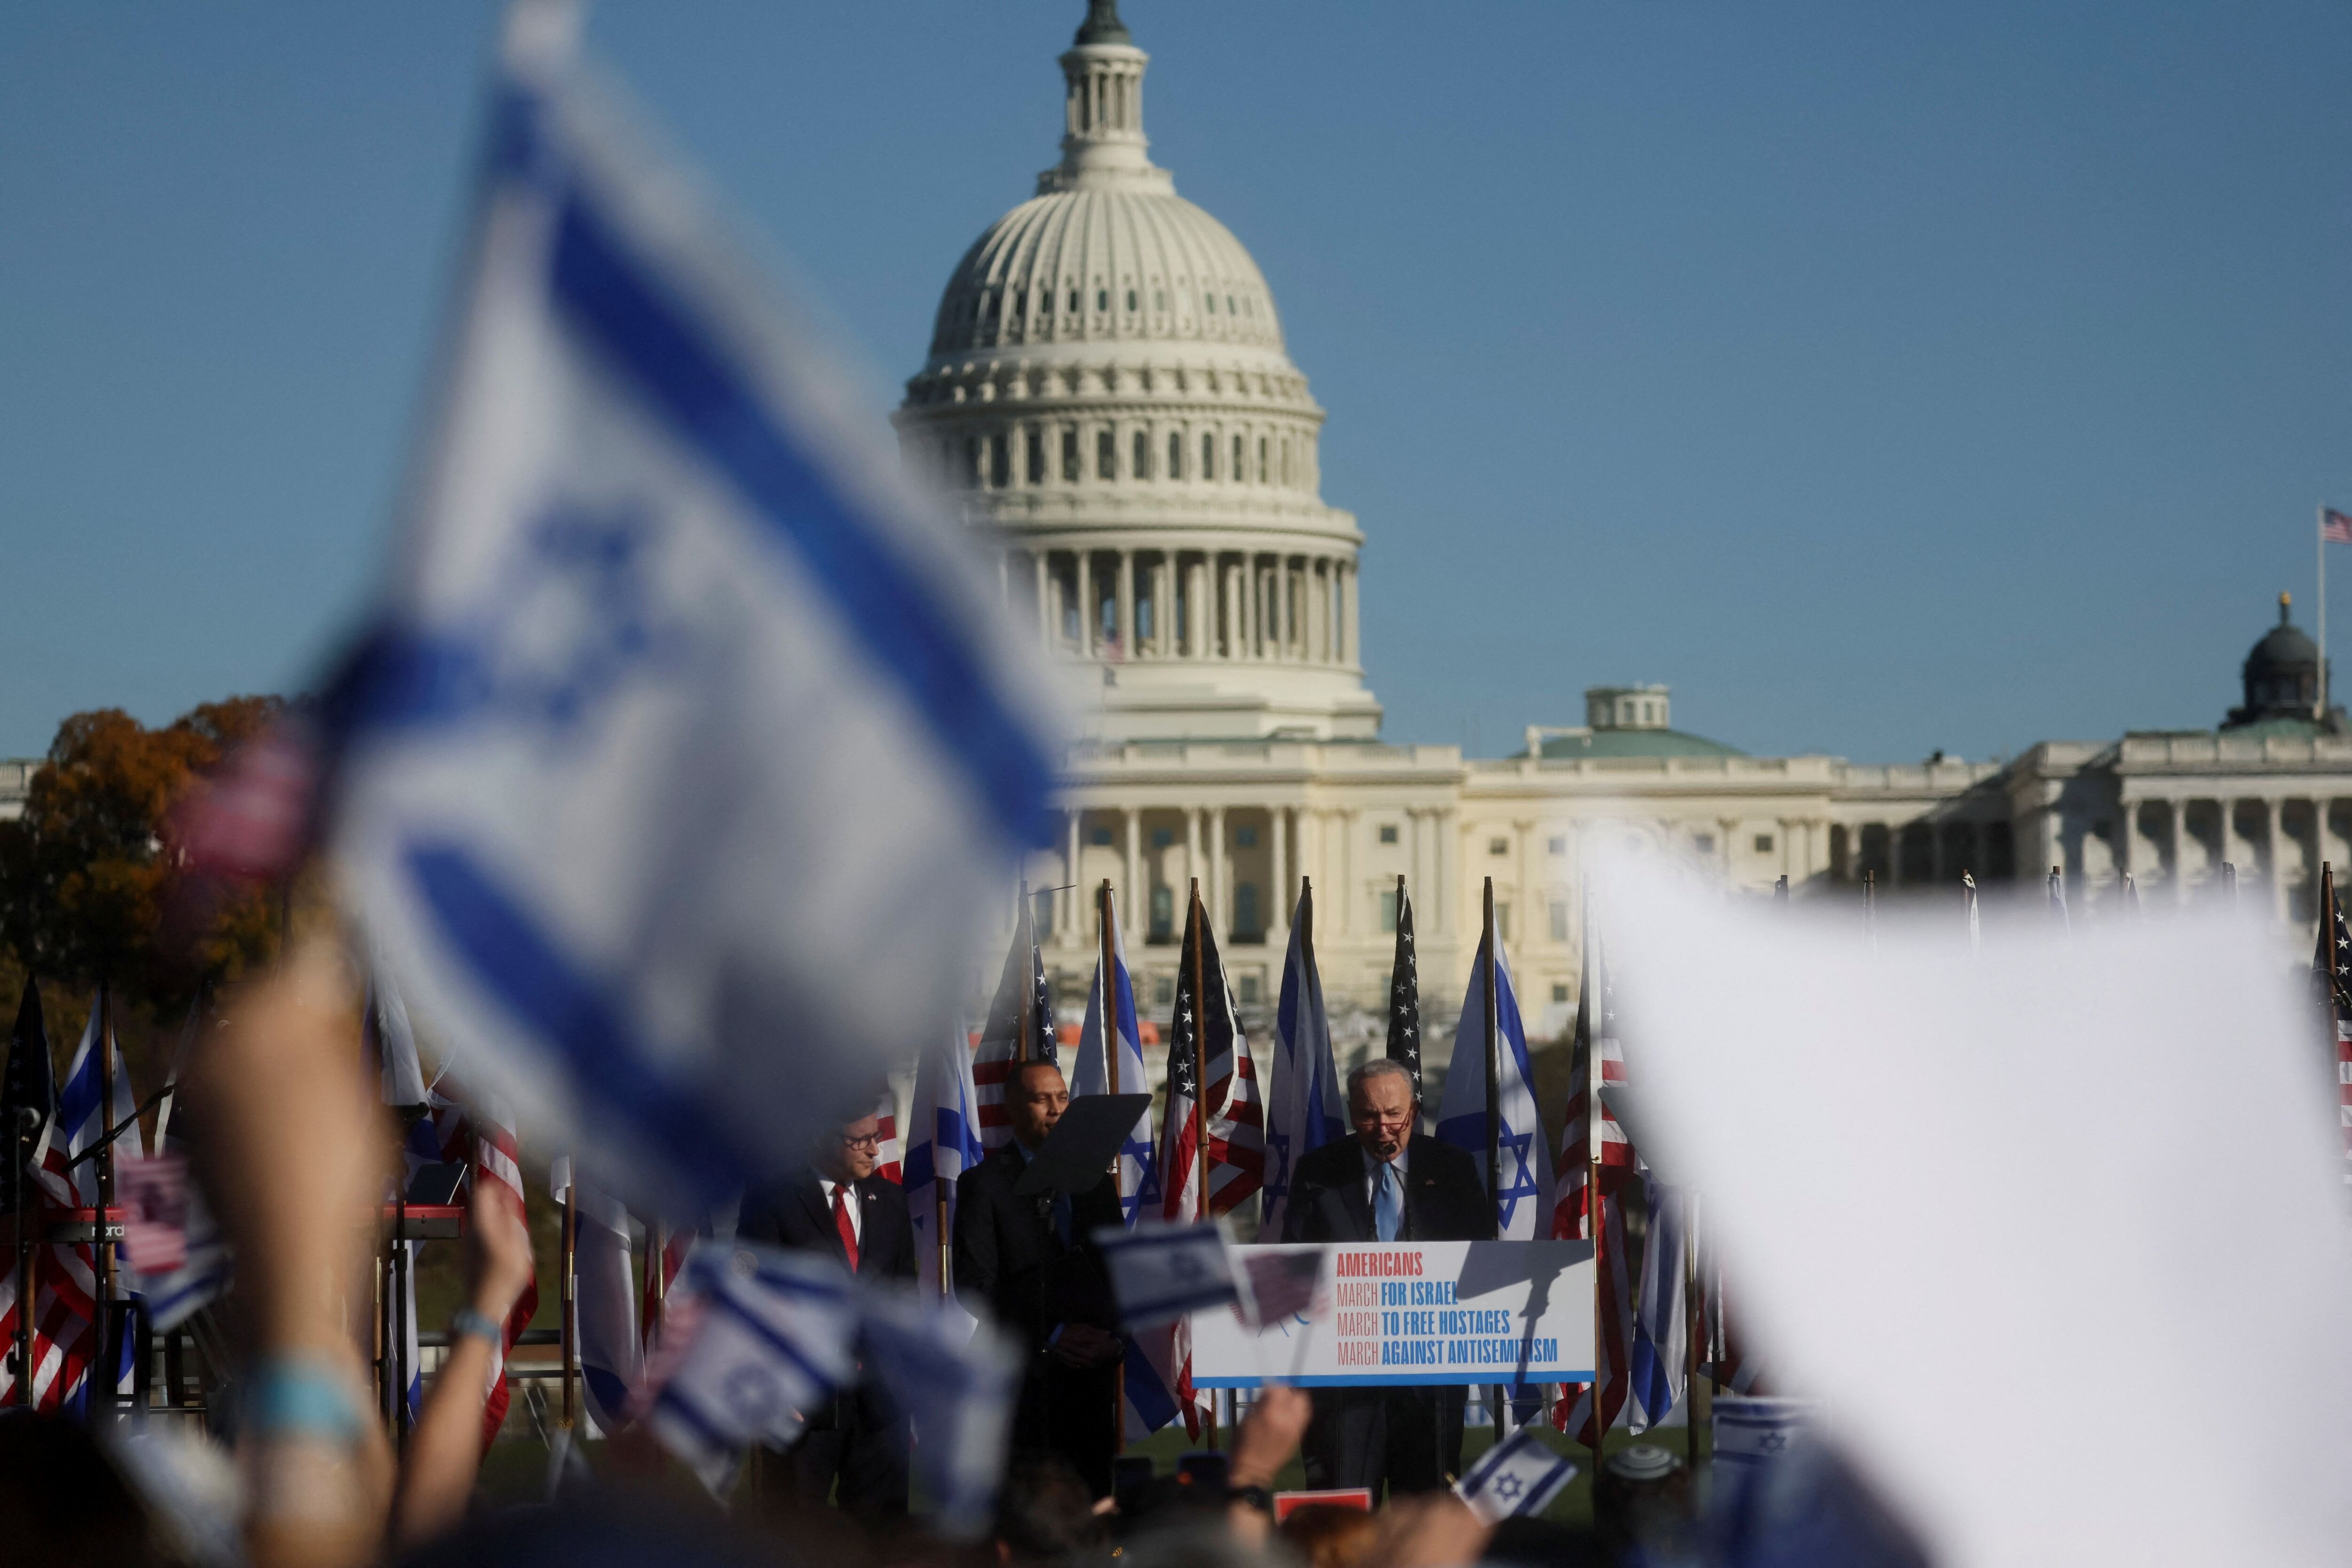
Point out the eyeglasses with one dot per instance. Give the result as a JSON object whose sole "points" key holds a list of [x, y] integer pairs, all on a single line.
{"points": [[869, 1141]]}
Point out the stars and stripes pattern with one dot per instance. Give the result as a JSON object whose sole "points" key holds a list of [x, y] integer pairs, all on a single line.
{"points": [[1236, 1106], [1000, 1036], [2335, 526], [1405, 994], [63, 1277], [1592, 1138], [2331, 975], [891, 1157], [1182, 1180]]}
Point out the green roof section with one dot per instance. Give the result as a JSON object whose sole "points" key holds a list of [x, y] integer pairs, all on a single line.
{"points": [[1601, 743]]}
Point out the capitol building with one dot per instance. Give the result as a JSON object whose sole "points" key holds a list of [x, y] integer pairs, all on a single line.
{"points": [[1108, 398]]}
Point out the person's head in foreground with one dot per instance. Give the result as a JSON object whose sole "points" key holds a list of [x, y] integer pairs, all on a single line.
{"points": [[1381, 1106]]}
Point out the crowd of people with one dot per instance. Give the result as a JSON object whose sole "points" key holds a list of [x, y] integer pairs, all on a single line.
{"points": [[281, 1087]]}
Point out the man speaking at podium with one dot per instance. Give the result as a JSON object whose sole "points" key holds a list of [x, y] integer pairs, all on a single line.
{"points": [[1389, 1183]]}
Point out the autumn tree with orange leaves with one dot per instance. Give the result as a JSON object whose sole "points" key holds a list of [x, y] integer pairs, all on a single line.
{"points": [[89, 889]]}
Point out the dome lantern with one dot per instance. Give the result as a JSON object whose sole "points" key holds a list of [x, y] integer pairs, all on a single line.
{"points": [[1102, 112]]}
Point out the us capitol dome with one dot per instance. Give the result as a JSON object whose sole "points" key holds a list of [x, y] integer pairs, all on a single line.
{"points": [[1108, 395]]}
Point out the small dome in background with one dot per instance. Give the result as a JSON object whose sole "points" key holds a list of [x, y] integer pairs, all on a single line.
{"points": [[2281, 677]]}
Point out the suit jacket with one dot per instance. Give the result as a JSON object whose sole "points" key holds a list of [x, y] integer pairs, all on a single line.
{"points": [[797, 1215], [1444, 1199], [1008, 1254]]}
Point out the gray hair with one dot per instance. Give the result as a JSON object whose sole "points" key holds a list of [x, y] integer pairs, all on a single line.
{"points": [[1380, 1067]]}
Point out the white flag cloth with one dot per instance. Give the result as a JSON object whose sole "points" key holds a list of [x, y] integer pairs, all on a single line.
{"points": [[1523, 1205], [756, 1336], [604, 1296], [1518, 1475], [1162, 1271], [944, 1129], [1138, 1173], [1751, 1431], [689, 747], [1306, 1109], [957, 1384], [1660, 1359]]}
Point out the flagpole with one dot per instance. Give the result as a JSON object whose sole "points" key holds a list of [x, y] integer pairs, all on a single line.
{"points": [[107, 1353], [1493, 1044], [656, 1286], [1596, 1119], [1701, 1387], [2320, 523], [21, 1139], [1110, 1043], [568, 1300], [1021, 923], [1199, 921]]}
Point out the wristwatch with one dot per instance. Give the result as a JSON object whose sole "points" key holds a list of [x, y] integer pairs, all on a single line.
{"points": [[1256, 1497]]}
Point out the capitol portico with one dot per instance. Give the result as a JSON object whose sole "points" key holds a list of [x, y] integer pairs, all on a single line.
{"points": [[1108, 397]]}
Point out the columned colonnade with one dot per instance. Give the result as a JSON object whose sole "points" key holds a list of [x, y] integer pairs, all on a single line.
{"points": [[1179, 603]]}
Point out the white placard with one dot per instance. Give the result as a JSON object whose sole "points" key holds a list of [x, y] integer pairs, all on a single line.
{"points": [[1417, 1313]]}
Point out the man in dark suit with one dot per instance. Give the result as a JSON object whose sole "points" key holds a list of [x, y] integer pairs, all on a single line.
{"points": [[1031, 1261], [839, 1204], [1388, 1182]]}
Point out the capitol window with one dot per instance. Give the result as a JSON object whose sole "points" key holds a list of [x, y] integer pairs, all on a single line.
{"points": [[1159, 299], [1102, 298], [1559, 993], [1142, 465], [1070, 455], [971, 462], [1000, 461], [1073, 301], [1106, 455], [1498, 846], [1763, 843], [1210, 301], [1101, 836], [1261, 459], [1036, 457], [1246, 838], [1557, 843], [1175, 455], [1208, 456], [1704, 843], [1131, 299], [1388, 832], [1239, 472]]}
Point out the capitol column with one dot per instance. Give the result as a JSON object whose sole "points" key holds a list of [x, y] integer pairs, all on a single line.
{"points": [[2176, 809], [1215, 898], [1044, 608], [1193, 868], [1345, 878], [1127, 644], [1278, 925], [1064, 900], [1132, 903], [1231, 586], [1282, 605], [1089, 606], [2272, 824], [1349, 631]]}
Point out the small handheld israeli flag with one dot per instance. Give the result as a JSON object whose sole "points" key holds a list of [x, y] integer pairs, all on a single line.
{"points": [[1751, 1431], [1518, 1474], [1162, 1271], [770, 1333], [957, 1382], [688, 747]]}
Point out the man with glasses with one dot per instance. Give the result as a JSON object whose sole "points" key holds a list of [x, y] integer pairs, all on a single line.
{"points": [[837, 1203], [1390, 1182]]}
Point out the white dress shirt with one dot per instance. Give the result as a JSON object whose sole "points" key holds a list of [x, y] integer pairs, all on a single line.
{"points": [[856, 1205]]}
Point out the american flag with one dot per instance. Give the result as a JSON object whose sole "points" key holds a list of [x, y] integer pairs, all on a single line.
{"points": [[252, 819], [1236, 1107], [1405, 994], [1181, 1180], [1000, 1037], [2331, 978], [890, 1159], [1590, 1127], [63, 1277], [2335, 526]]}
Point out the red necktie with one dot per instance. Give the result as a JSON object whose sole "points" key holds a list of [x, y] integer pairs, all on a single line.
{"points": [[841, 1223]]}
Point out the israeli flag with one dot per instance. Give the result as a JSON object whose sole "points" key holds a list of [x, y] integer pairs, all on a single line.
{"points": [[1525, 1201], [765, 1334], [944, 1130], [604, 1296], [958, 1386], [1161, 1272], [1752, 1432], [688, 748], [1660, 1360], [1139, 1166], [1305, 1108], [1518, 1475]]}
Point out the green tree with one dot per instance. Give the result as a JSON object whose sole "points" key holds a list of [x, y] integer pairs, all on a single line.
{"points": [[88, 888]]}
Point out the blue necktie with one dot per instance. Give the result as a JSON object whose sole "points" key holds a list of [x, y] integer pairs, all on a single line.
{"points": [[1388, 1203]]}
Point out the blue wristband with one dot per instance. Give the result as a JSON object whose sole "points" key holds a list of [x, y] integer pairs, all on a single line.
{"points": [[289, 1398], [466, 1320]]}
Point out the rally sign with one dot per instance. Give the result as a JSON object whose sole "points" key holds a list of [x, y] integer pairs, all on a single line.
{"points": [[1416, 1312]]}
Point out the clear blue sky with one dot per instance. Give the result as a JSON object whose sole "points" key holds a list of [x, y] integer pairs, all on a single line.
{"points": [[1885, 377]]}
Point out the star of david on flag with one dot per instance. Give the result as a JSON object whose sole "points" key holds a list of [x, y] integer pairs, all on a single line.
{"points": [[688, 746], [1518, 1475], [1523, 1203]]}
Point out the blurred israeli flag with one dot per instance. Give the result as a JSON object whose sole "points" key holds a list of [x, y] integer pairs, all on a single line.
{"points": [[957, 1384], [688, 750], [1518, 1475], [1139, 1162], [1161, 1272], [1523, 1204], [767, 1334]]}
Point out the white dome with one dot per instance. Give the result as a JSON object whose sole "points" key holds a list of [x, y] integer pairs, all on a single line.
{"points": [[1106, 266], [1108, 397]]}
